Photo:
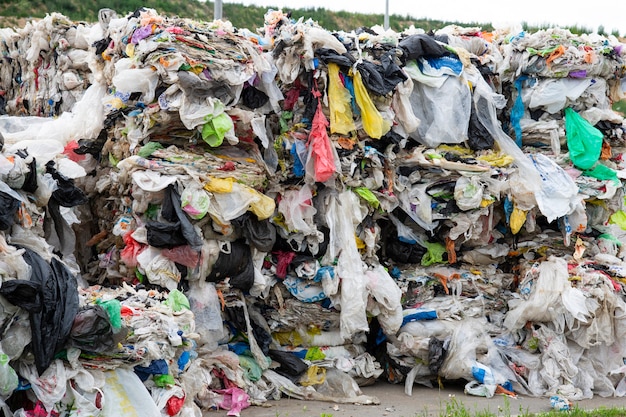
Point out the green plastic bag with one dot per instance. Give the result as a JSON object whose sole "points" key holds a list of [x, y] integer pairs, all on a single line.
{"points": [[214, 131], [149, 148], [434, 254], [602, 172], [618, 218], [367, 195], [114, 310], [583, 140], [251, 368], [177, 301]]}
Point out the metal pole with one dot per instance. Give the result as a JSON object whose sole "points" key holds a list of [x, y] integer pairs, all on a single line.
{"points": [[386, 24], [217, 10]]}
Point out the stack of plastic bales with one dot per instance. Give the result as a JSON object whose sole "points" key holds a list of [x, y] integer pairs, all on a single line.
{"points": [[228, 217], [45, 67]]}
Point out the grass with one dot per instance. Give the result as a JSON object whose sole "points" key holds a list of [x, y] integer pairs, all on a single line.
{"points": [[455, 408]]}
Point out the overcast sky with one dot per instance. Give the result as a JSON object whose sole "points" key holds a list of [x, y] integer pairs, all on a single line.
{"points": [[611, 14]]}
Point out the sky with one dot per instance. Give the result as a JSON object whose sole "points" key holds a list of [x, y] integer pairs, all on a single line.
{"points": [[610, 14]]}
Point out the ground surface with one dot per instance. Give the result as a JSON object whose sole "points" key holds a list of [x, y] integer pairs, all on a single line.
{"points": [[423, 402]]}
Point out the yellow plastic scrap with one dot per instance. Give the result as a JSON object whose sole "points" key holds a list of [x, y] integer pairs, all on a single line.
{"points": [[456, 149], [373, 123], [315, 375], [360, 244], [263, 206], [291, 338], [518, 218], [219, 185], [130, 50], [339, 99], [486, 202], [496, 159]]}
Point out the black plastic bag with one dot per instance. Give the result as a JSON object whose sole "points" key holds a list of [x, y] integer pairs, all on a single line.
{"points": [[179, 232], [479, 138], [253, 98], [57, 231], [171, 210], [416, 46], [290, 364], [259, 233], [404, 253], [92, 331], [436, 355], [30, 182], [22, 293], [381, 79], [52, 324], [67, 194], [236, 265], [330, 55], [8, 208], [165, 235]]}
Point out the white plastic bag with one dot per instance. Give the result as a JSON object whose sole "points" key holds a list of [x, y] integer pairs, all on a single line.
{"points": [[139, 80], [444, 111], [385, 299], [468, 192], [297, 208], [125, 395], [342, 215], [205, 305]]}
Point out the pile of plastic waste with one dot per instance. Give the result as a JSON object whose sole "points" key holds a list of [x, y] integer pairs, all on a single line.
{"points": [[200, 217]]}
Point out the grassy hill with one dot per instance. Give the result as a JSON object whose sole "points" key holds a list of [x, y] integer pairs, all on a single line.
{"points": [[14, 12]]}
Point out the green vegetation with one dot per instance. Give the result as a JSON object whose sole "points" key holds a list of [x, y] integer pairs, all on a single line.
{"points": [[455, 408], [14, 12]]}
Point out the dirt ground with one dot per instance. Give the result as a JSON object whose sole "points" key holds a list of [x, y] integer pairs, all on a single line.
{"points": [[431, 402]]}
